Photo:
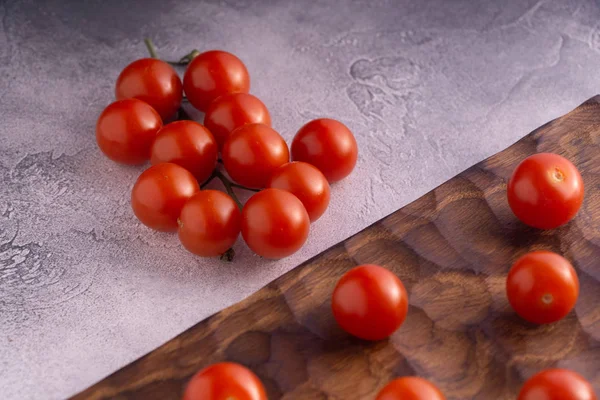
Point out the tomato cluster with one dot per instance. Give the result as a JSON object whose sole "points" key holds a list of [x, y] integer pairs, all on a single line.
{"points": [[369, 302], [142, 125]]}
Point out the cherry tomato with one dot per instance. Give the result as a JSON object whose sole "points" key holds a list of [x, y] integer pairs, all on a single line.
{"points": [[252, 153], [213, 74], [305, 182], [369, 302], [542, 287], [410, 388], [126, 129], [209, 223], [328, 145], [274, 223], [545, 191], [225, 381], [189, 144], [160, 193], [557, 384], [153, 81], [233, 110]]}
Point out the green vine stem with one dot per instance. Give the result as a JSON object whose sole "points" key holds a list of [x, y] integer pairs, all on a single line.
{"points": [[150, 47], [183, 115], [185, 60], [229, 185], [228, 255], [244, 187]]}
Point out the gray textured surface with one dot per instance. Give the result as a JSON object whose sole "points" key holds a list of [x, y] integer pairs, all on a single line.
{"points": [[429, 88]]}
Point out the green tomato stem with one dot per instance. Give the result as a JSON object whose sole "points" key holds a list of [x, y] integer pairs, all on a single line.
{"points": [[185, 60], [228, 255], [244, 187], [150, 47], [182, 115], [228, 187]]}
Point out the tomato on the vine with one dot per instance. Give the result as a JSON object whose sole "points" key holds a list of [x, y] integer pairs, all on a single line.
{"points": [[160, 193], [328, 145], [212, 74], [188, 144], [209, 223], [305, 182], [545, 191], [557, 384], [542, 287], [275, 224], [225, 381], [126, 129], [410, 388], [370, 302], [233, 110], [153, 81], [252, 153]]}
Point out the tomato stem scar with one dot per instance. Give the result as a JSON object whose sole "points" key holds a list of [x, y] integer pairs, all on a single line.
{"points": [[547, 298], [558, 175]]}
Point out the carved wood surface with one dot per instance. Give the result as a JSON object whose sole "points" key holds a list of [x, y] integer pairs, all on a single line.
{"points": [[452, 248]]}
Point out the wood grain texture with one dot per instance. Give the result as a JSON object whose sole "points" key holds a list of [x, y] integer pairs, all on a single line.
{"points": [[452, 248]]}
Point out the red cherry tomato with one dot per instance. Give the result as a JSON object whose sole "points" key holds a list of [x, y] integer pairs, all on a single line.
{"points": [[557, 384], [252, 153], [213, 74], [233, 110], [209, 223], [126, 129], [189, 144], [160, 193], [542, 287], [328, 145], [545, 191], [410, 388], [225, 381], [153, 81], [305, 182], [274, 223], [370, 302]]}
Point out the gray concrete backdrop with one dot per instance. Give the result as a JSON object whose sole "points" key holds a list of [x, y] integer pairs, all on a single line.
{"points": [[428, 87]]}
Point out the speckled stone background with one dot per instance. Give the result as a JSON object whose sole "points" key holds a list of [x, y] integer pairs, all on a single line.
{"points": [[428, 87]]}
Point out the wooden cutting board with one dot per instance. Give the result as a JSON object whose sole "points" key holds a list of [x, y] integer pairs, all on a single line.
{"points": [[452, 248]]}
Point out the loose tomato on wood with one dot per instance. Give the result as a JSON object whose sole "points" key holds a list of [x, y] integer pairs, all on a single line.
{"points": [[305, 182], [275, 224], [153, 81], [126, 130], [542, 287], [370, 302], [225, 381], [160, 193], [233, 110], [557, 384], [188, 144], [545, 191], [252, 153], [410, 388], [212, 74], [328, 145], [209, 223]]}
